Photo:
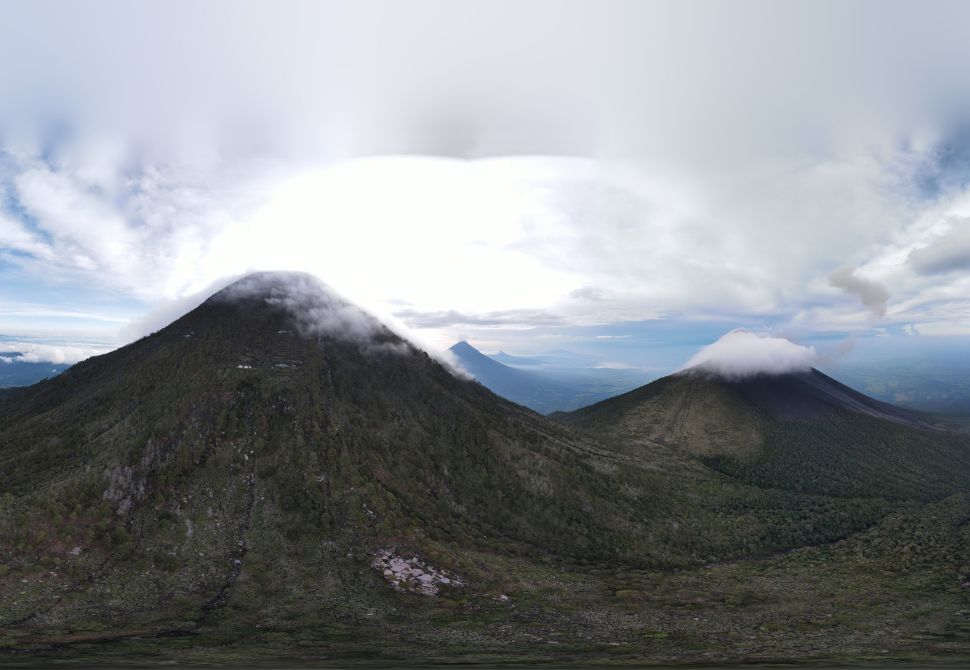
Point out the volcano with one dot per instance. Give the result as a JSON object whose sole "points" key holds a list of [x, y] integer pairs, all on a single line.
{"points": [[277, 477], [800, 430], [814, 396]]}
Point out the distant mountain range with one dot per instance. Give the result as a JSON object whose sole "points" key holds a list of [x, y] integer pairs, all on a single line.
{"points": [[563, 380], [558, 381], [24, 373]]}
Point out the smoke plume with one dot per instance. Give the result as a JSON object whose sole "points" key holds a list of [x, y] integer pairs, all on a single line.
{"points": [[873, 294]]}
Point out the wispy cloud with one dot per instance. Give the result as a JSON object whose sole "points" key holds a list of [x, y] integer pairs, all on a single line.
{"points": [[34, 310], [944, 253]]}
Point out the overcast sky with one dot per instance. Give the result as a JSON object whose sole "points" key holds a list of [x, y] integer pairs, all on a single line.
{"points": [[528, 175]]}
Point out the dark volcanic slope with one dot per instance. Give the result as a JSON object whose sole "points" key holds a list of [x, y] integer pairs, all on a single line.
{"points": [[812, 396], [802, 431]]}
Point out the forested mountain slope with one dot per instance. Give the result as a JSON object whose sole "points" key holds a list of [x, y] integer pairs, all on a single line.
{"points": [[278, 476], [798, 431]]}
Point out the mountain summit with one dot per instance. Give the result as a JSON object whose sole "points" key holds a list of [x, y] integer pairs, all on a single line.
{"points": [[301, 302]]}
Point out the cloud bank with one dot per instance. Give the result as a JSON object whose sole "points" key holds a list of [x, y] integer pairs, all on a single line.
{"points": [[741, 353], [32, 352], [670, 158]]}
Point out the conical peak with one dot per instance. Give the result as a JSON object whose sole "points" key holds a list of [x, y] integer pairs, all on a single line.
{"points": [[464, 347], [742, 354], [276, 287], [312, 308]]}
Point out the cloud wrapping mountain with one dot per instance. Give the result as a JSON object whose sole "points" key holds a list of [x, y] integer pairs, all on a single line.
{"points": [[741, 354], [316, 309]]}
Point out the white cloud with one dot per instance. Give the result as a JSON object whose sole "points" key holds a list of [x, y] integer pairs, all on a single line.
{"points": [[741, 353], [316, 309], [514, 236], [14, 236], [612, 365], [13, 309], [32, 352], [940, 329], [947, 252], [720, 162], [90, 234]]}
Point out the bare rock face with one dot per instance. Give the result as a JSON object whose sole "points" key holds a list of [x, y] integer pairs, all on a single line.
{"points": [[124, 488], [412, 574]]}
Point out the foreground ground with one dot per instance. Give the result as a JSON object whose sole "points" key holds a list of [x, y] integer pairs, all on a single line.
{"points": [[896, 592]]}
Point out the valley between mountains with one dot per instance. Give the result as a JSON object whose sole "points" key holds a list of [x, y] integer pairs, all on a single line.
{"points": [[278, 478]]}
